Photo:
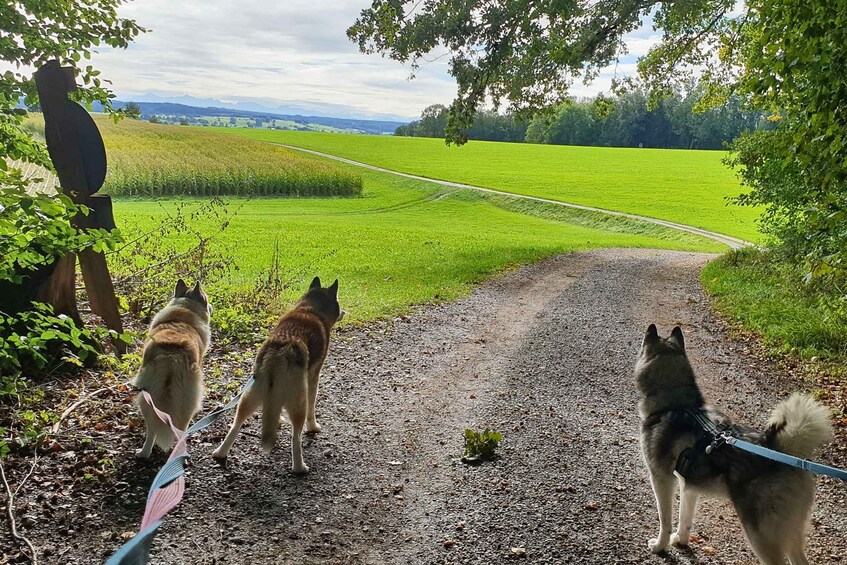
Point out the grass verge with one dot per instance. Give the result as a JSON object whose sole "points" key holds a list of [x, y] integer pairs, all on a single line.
{"points": [[769, 297]]}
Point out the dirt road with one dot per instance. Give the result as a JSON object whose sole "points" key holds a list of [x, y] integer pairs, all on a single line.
{"points": [[544, 355]]}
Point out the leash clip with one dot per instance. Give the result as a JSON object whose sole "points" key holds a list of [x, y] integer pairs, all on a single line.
{"points": [[721, 438]]}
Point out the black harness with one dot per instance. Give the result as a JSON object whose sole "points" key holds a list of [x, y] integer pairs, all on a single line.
{"points": [[711, 437]]}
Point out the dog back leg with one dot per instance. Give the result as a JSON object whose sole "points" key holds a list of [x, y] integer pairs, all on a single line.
{"points": [[796, 544], [247, 406], [687, 508], [663, 488], [296, 404], [297, 415], [312, 425], [797, 557], [766, 547]]}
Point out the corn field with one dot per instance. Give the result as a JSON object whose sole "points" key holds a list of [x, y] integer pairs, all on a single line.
{"points": [[161, 160]]}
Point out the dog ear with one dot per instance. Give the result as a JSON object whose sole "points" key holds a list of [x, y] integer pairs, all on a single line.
{"points": [[197, 292], [181, 289], [333, 288], [316, 283], [676, 335], [652, 335]]}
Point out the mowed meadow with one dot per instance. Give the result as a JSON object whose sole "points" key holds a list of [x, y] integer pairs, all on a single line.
{"points": [[688, 187], [396, 243]]}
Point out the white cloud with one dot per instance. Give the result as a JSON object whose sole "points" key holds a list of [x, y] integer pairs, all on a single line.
{"points": [[283, 52]]}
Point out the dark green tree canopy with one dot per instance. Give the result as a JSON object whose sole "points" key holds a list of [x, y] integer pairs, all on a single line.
{"points": [[524, 52]]}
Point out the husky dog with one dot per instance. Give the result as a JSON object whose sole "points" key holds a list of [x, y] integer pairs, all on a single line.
{"points": [[287, 370], [170, 367], [773, 500]]}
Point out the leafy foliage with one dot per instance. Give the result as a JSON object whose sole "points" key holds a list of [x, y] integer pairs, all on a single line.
{"points": [[480, 446], [526, 52], [36, 228], [38, 339]]}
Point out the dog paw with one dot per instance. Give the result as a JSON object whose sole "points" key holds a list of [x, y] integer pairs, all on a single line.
{"points": [[312, 427], [300, 469], [141, 454], [219, 455], [677, 539], [656, 546]]}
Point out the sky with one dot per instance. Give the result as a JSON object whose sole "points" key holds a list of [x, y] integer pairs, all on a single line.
{"points": [[291, 53]]}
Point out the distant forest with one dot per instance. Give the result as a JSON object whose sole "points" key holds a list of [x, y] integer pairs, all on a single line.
{"points": [[624, 121]]}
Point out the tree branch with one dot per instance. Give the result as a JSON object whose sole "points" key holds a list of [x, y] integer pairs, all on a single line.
{"points": [[10, 508]]}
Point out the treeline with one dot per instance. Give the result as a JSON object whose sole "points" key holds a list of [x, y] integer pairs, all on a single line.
{"points": [[624, 121]]}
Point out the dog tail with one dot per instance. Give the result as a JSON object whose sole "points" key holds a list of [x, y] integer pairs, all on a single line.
{"points": [[174, 383], [271, 411], [798, 425]]}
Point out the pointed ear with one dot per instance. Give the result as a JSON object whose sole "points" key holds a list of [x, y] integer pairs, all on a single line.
{"points": [[333, 288], [676, 335], [652, 335], [181, 289], [197, 290], [316, 283]]}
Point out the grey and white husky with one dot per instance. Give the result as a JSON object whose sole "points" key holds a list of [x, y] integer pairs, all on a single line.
{"points": [[773, 500]]}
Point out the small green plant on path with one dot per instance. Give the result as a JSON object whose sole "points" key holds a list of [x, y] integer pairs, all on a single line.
{"points": [[480, 446]]}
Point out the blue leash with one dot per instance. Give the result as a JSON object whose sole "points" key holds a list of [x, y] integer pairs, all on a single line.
{"points": [[137, 550], [804, 464], [722, 436]]}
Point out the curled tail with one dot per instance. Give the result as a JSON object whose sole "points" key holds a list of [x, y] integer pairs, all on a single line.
{"points": [[798, 425]]}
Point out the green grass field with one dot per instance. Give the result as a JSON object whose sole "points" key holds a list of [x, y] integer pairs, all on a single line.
{"points": [[404, 242], [688, 187], [771, 299]]}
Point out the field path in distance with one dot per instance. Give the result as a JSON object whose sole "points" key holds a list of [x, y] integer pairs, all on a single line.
{"points": [[732, 242]]}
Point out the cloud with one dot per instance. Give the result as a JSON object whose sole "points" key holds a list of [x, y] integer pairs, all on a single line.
{"points": [[292, 50]]}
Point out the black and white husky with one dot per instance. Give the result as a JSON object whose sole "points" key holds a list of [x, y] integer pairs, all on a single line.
{"points": [[773, 500]]}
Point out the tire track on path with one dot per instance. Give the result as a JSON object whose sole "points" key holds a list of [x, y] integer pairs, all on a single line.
{"points": [[729, 241]]}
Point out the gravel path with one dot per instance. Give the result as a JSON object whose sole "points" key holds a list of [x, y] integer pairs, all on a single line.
{"points": [[544, 355]]}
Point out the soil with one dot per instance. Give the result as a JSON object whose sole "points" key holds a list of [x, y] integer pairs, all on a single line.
{"points": [[543, 355]]}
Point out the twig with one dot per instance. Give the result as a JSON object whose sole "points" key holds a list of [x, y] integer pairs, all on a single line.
{"points": [[76, 405], [10, 513]]}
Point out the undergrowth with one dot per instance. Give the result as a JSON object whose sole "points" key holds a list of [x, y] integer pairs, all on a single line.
{"points": [[767, 295]]}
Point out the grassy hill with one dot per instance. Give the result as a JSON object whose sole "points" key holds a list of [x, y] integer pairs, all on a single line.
{"points": [[404, 242], [689, 187]]}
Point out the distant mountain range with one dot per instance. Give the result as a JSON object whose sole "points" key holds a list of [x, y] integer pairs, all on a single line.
{"points": [[268, 106], [178, 111]]}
